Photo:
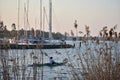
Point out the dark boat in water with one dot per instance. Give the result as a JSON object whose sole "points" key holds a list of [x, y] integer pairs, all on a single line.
{"points": [[47, 64], [34, 46]]}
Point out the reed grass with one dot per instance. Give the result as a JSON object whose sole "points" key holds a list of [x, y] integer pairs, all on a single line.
{"points": [[100, 60]]}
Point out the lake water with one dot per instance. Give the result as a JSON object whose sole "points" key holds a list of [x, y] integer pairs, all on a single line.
{"points": [[30, 56]]}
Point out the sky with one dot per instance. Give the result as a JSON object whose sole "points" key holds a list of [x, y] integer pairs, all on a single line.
{"points": [[94, 13]]}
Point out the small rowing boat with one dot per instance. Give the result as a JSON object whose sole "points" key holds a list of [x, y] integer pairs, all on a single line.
{"points": [[47, 64]]}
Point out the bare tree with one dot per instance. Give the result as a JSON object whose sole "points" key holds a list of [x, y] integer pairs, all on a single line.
{"points": [[76, 25], [1, 25], [13, 26], [87, 30]]}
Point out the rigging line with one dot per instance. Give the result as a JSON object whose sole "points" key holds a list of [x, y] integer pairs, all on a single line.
{"points": [[46, 16], [58, 25], [28, 24]]}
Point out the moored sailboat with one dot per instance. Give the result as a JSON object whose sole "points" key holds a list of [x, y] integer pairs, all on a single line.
{"points": [[35, 43]]}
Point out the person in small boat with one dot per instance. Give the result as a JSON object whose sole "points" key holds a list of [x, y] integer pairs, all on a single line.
{"points": [[51, 60]]}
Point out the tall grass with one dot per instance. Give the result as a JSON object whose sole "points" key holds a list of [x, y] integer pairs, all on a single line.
{"points": [[14, 65], [100, 59]]}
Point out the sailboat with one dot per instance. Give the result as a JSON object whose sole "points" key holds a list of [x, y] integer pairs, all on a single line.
{"points": [[33, 43]]}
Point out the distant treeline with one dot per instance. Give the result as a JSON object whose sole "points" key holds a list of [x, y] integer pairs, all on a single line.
{"points": [[105, 33], [21, 34], [5, 33]]}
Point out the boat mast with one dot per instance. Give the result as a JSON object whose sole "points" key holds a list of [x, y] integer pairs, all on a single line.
{"points": [[43, 22], [0, 10], [35, 28], [25, 32], [50, 20], [18, 19], [27, 17], [40, 18]]}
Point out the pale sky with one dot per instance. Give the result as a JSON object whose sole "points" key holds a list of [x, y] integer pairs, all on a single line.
{"points": [[94, 13]]}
